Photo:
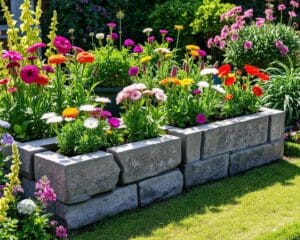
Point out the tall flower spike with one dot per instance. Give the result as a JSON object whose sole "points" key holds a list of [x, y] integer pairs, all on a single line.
{"points": [[52, 35]]}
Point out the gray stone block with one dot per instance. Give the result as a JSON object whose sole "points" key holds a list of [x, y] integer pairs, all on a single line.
{"points": [[233, 134], [95, 209], [200, 172], [160, 187], [27, 151], [78, 178], [190, 142], [147, 158], [276, 123], [245, 159]]}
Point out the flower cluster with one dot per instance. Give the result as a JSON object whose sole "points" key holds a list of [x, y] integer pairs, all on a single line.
{"points": [[44, 192]]}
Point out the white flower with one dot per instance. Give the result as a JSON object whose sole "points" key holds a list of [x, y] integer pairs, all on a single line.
{"points": [[4, 124], [48, 115], [219, 89], [55, 119], [147, 30], [161, 97], [100, 36], [157, 90], [26, 206], [91, 123], [162, 50], [69, 119], [102, 100], [202, 84], [87, 108], [207, 71]]}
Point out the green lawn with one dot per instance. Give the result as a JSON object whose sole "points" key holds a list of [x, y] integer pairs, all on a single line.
{"points": [[261, 204]]}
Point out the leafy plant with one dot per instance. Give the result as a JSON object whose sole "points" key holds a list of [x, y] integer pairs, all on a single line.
{"points": [[283, 91]]}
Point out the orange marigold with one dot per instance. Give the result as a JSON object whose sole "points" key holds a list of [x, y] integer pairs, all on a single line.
{"points": [[42, 79], [57, 59], [85, 57], [228, 97], [70, 113], [174, 81]]}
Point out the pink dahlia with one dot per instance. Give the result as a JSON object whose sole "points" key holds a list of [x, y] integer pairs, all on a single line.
{"points": [[33, 48], [62, 44], [133, 71], [12, 55], [114, 122], [200, 118], [128, 42], [29, 74]]}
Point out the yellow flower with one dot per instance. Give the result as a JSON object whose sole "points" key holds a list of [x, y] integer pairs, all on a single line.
{"points": [[165, 81], [191, 47], [70, 113], [145, 59], [186, 81], [194, 53], [109, 132], [179, 27], [168, 55]]}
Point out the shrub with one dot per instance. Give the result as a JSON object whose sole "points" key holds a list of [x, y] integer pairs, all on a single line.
{"points": [[283, 91], [263, 50]]}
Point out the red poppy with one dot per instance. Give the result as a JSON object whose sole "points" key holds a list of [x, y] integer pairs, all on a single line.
{"points": [[257, 91], [229, 81], [263, 76], [224, 70], [252, 70]]}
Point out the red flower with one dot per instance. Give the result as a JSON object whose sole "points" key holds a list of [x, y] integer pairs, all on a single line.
{"points": [[263, 76], [229, 81], [4, 81], [252, 70], [257, 91], [228, 97], [42, 79], [224, 70]]}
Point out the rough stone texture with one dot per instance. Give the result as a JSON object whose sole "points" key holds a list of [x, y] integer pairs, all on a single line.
{"points": [[160, 187], [255, 156], [78, 215], [190, 142], [233, 134], [199, 172], [27, 151], [276, 123], [147, 158], [78, 178]]}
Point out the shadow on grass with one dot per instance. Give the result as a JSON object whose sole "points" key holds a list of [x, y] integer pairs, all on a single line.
{"points": [[196, 201]]}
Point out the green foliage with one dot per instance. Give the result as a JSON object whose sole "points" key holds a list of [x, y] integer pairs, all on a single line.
{"points": [[207, 17], [111, 67], [283, 90], [263, 51], [292, 149], [8, 229]]}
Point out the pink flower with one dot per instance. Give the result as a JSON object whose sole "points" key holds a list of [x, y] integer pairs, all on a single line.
{"points": [[248, 13], [61, 232], [281, 7], [294, 4], [202, 53], [161, 97], [104, 114], [53, 223], [222, 44], [234, 37], [4, 81], [260, 22], [48, 69], [138, 49], [12, 89], [157, 90], [128, 43], [216, 40], [62, 44], [12, 55], [135, 95], [29, 74], [133, 71], [151, 39], [33, 48], [292, 14], [278, 43], [196, 91], [77, 49], [111, 25], [210, 43], [114, 122], [200, 118], [121, 97], [163, 31], [284, 50], [44, 192], [248, 45], [169, 39]]}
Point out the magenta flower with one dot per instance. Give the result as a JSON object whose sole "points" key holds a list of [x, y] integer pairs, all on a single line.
{"points": [[151, 39], [62, 45], [248, 45], [281, 7], [114, 122], [248, 13], [13, 65], [284, 50], [169, 39], [128, 43], [196, 92], [104, 114], [44, 192], [222, 44], [115, 36], [12, 55], [260, 22], [200, 118], [133, 71], [217, 40], [202, 53], [278, 44], [48, 69], [35, 47], [138, 49], [61, 232], [163, 31], [111, 25], [174, 71], [29, 74], [210, 43]]}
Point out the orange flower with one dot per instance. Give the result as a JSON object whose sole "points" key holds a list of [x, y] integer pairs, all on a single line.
{"points": [[258, 92], [229, 81], [70, 113], [57, 59], [194, 53], [42, 79], [224, 70], [252, 70], [263, 76], [174, 81], [85, 57], [228, 97]]}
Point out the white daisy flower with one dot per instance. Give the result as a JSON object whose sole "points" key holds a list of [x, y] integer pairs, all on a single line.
{"points": [[219, 89], [87, 108], [102, 100], [55, 119], [147, 30], [100, 36], [91, 123], [69, 119], [162, 50], [207, 71], [202, 84], [48, 115]]}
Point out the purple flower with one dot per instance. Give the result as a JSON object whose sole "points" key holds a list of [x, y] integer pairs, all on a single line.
{"points": [[12, 55], [133, 71], [284, 50], [278, 44], [48, 69], [62, 45], [53, 223], [200, 118], [44, 192], [114, 36], [7, 139], [174, 71], [196, 92], [114, 122], [202, 53], [138, 49], [29, 74], [281, 7], [169, 39], [61, 232], [104, 114], [151, 39], [248, 45], [222, 44], [128, 43], [163, 31], [4, 124], [111, 25], [33, 48]]}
